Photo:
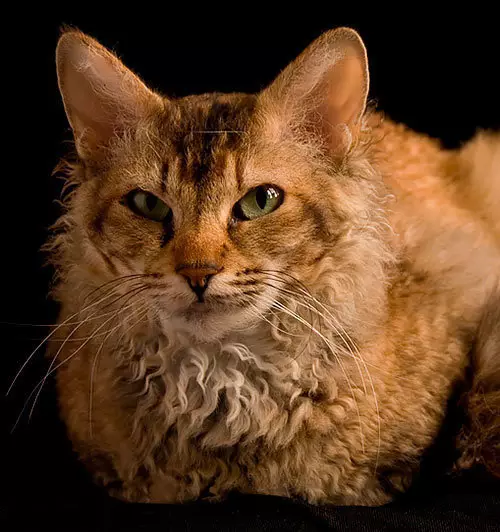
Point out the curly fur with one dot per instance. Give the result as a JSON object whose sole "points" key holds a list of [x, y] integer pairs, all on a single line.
{"points": [[331, 379]]}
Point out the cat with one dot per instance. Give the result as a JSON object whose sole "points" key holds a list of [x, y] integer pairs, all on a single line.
{"points": [[273, 293]]}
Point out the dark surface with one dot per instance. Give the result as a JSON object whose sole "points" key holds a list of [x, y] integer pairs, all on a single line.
{"points": [[439, 77], [471, 503]]}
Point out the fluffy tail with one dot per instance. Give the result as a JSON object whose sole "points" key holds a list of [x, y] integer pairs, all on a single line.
{"points": [[479, 162], [479, 441]]}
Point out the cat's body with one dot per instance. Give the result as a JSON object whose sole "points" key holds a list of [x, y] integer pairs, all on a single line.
{"points": [[337, 329]]}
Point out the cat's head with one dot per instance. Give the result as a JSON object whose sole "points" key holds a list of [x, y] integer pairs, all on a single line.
{"points": [[227, 201]]}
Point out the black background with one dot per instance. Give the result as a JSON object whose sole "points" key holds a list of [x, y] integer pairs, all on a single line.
{"points": [[438, 76]]}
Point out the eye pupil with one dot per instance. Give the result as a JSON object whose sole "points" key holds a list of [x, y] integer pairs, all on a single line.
{"points": [[151, 202], [148, 205], [261, 197], [258, 202]]}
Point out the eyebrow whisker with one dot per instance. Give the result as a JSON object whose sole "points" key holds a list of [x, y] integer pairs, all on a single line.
{"points": [[217, 131]]}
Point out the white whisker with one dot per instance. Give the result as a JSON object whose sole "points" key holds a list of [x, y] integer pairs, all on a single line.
{"points": [[315, 310], [353, 347], [259, 314], [143, 312], [299, 318], [64, 323], [135, 291], [359, 357]]}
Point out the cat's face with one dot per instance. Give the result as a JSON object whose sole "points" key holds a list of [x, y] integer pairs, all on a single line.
{"points": [[221, 200], [213, 211]]}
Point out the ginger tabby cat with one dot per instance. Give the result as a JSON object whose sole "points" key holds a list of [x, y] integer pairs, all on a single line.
{"points": [[272, 293]]}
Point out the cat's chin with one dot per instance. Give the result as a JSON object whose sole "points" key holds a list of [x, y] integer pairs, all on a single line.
{"points": [[210, 326]]}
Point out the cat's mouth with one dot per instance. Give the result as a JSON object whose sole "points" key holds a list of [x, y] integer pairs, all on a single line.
{"points": [[211, 306], [198, 308], [211, 320]]}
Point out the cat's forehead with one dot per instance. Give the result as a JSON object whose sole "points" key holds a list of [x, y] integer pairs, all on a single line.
{"points": [[214, 110], [200, 134], [198, 127]]}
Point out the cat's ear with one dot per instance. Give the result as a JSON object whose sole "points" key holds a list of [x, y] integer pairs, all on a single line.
{"points": [[101, 96], [323, 92]]}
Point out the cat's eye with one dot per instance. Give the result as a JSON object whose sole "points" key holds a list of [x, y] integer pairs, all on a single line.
{"points": [[148, 205], [258, 202]]}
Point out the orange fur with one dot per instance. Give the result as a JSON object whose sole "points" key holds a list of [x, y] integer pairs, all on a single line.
{"points": [[334, 328]]}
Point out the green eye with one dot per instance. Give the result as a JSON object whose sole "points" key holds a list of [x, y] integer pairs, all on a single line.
{"points": [[259, 202], [148, 205]]}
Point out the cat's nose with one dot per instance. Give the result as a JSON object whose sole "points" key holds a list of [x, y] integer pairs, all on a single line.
{"points": [[198, 277]]}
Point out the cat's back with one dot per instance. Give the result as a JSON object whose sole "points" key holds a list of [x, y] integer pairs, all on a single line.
{"points": [[441, 203]]}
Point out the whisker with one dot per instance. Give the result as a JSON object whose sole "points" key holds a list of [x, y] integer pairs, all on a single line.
{"points": [[315, 310], [346, 338], [258, 314], [143, 313], [310, 314], [332, 350], [46, 325], [124, 278], [372, 386], [40, 384], [294, 280], [50, 371], [216, 131], [42, 325], [131, 293], [64, 323]]}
